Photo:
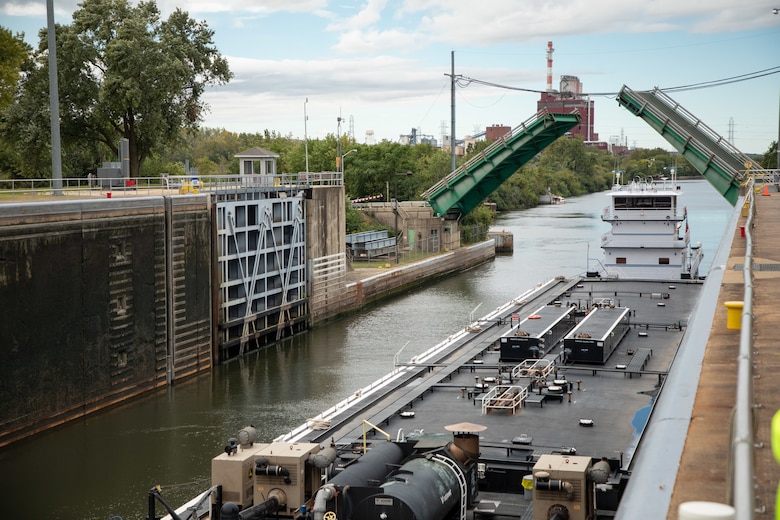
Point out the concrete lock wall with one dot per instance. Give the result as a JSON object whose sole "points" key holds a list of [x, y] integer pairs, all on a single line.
{"points": [[394, 281], [351, 297], [102, 300], [326, 221]]}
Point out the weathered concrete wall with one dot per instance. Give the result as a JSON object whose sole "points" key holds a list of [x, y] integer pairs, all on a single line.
{"points": [[418, 217], [190, 280], [504, 241], [102, 300], [326, 221], [356, 295], [326, 242]]}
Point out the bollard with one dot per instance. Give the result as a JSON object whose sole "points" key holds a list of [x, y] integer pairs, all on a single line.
{"points": [[705, 511], [775, 429], [734, 315]]}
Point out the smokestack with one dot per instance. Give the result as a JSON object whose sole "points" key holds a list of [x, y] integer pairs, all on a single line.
{"points": [[549, 66]]}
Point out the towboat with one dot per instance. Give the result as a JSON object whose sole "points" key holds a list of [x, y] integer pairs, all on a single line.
{"points": [[533, 411]]}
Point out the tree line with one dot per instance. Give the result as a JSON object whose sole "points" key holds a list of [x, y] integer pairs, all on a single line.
{"points": [[124, 72]]}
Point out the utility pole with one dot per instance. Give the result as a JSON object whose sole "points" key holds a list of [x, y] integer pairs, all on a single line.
{"points": [[339, 166], [54, 102], [452, 115], [306, 134]]}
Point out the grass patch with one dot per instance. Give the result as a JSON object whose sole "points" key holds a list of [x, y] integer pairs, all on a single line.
{"points": [[405, 258]]}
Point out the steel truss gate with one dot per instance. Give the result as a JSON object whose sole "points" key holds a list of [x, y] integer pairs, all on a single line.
{"points": [[262, 271], [712, 155], [465, 188]]}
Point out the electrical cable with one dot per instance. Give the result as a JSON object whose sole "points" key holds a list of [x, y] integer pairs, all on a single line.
{"points": [[465, 81]]}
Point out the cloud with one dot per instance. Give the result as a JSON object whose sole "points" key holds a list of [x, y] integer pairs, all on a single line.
{"points": [[65, 8], [509, 21], [240, 7], [62, 9], [366, 78], [23, 8], [375, 41]]}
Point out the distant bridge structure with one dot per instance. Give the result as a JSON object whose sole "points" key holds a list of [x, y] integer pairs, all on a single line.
{"points": [[470, 184], [712, 155]]}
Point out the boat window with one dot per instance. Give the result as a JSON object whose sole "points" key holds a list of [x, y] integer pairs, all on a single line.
{"points": [[643, 202], [620, 260], [663, 261]]}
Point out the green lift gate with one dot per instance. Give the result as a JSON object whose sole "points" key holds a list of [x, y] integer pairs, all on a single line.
{"points": [[466, 187], [712, 155]]}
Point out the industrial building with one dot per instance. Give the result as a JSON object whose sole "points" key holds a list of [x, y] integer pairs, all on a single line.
{"points": [[567, 99]]}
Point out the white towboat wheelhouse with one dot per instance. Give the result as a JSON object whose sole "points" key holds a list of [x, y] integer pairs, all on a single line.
{"points": [[649, 238]]}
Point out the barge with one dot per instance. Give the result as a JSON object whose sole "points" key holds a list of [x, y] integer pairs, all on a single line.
{"points": [[468, 429]]}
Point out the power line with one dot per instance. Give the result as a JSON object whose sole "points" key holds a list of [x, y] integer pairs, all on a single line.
{"points": [[465, 81], [724, 81]]}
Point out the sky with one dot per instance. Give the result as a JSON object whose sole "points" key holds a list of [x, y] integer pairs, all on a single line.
{"points": [[382, 67]]}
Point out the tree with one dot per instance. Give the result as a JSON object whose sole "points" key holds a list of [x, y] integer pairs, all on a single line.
{"points": [[771, 159], [124, 73], [13, 54]]}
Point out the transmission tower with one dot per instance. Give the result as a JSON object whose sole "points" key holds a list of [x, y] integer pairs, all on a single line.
{"points": [[731, 130]]}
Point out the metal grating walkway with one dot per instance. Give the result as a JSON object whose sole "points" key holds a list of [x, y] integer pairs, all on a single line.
{"points": [[758, 267]]}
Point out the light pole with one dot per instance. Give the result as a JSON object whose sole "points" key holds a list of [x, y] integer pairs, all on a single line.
{"points": [[306, 135], [776, 10], [343, 156], [54, 103], [339, 155], [395, 210]]}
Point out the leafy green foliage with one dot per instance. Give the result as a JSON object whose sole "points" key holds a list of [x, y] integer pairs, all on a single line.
{"points": [[475, 225], [123, 73], [770, 159], [358, 221], [14, 52]]}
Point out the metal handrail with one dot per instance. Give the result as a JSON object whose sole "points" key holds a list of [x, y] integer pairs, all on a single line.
{"points": [[742, 436], [695, 144], [92, 187]]}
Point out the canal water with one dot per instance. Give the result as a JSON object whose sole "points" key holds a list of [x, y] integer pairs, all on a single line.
{"points": [[102, 467]]}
